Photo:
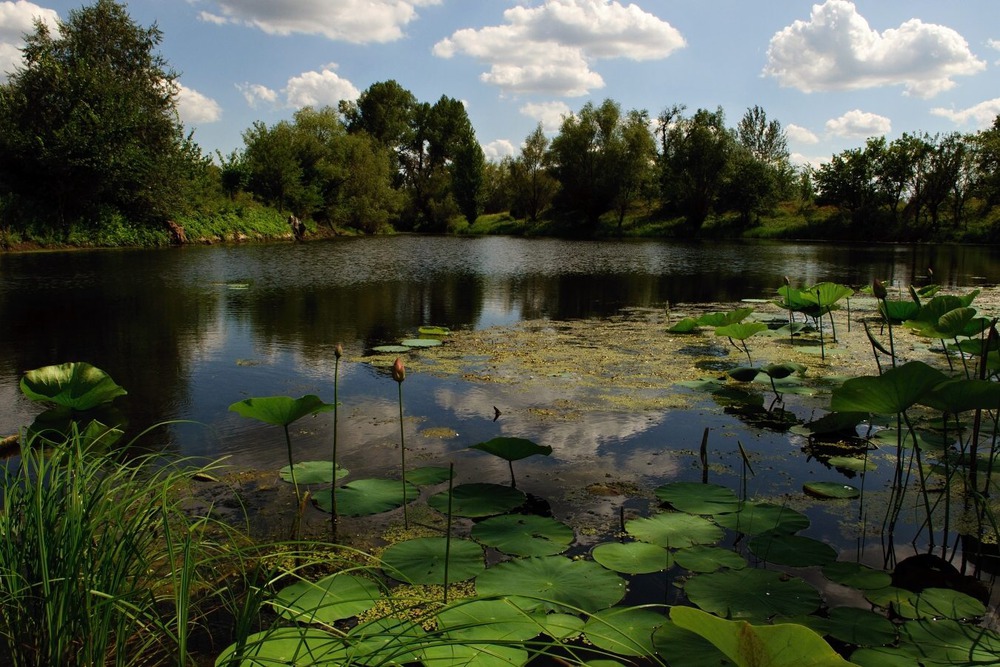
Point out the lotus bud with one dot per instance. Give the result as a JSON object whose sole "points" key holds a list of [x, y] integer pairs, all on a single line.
{"points": [[787, 281], [338, 351], [398, 370], [878, 289]]}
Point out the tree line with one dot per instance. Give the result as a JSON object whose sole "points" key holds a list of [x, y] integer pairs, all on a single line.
{"points": [[90, 138]]}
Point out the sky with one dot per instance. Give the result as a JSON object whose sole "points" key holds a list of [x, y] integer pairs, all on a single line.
{"points": [[833, 73]]}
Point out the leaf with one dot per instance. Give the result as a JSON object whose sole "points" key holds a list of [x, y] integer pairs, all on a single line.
{"points": [[744, 373], [741, 330], [793, 550], [890, 393], [391, 349], [428, 475], [831, 490], [488, 620], [328, 600], [960, 395], [422, 560], [313, 472], [298, 646], [512, 449], [856, 575], [752, 594], [694, 498], [674, 530], [75, 385], [420, 342], [686, 325], [524, 535], [783, 645], [754, 518], [683, 648], [434, 331], [478, 500], [701, 558], [632, 557], [853, 625], [365, 497], [934, 603], [280, 410], [720, 319], [943, 642], [555, 583], [624, 630]]}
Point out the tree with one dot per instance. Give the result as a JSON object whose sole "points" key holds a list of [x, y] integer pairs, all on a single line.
{"points": [[88, 122], [533, 187], [634, 153]]}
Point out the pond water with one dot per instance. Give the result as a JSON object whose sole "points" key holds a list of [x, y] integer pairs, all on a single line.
{"points": [[188, 331]]}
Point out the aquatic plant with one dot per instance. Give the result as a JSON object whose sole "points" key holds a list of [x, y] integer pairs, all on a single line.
{"points": [[81, 397], [512, 449], [399, 375], [338, 352]]}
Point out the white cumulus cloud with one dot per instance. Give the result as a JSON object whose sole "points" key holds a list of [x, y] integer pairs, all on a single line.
{"points": [[857, 124], [255, 94], [800, 134], [980, 115], [549, 114], [836, 49], [499, 149], [356, 21], [550, 48], [195, 108], [16, 20], [308, 89]]}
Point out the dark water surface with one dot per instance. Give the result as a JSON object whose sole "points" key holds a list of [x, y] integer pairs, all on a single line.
{"points": [[188, 331]]}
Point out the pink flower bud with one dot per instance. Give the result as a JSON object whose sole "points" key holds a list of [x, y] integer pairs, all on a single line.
{"points": [[398, 370], [878, 289], [338, 351]]}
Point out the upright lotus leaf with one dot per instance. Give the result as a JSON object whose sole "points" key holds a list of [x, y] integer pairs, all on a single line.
{"points": [[512, 449], [855, 575], [890, 393], [280, 410], [756, 595], [741, 330], [828, 294], [931, 312], [76, 385], [686, 325], [555, 583], [959, 395], [898, 311], [783, 370], [795, 299], [782, 645], [721, 319]]}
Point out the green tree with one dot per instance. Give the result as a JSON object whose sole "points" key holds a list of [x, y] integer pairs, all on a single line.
{"points": [[274, 174], [634, 152], [88, 122], [533, 187], [850, 181]]}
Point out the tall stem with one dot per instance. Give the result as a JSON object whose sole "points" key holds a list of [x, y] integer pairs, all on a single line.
{"points": [[291, 465], [333, 482], [402, 454]]}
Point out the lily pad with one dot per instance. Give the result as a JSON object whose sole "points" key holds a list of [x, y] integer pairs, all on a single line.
{"points": [[422, 560], [935, 603], [512, 449], [364, 497], [674, 530], [562, 627], [488, 620], [385, 641], [853, 625], [478, 500], [390, 349], [554, 583], [434, 331], [632, 557], [328, 600], [295, 645], [831, 490], [453, 654], [942, 642], [313, 472], [701, 558], [524, 535], [683, 648], [856, 575], [794, 550], [751, 594], [756, 518], [624, 630], [428, 475], [696, 498], [899, 600], [420, 342], [852, 463]]}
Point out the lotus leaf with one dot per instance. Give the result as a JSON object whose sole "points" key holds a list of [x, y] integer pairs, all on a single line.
{"points": [[933, 603], [512, 449], [478, 500], [557, 583], [741, 330], [420, 342], [489, 620], [943, 642], [313, 472], [683, 648], [562, 627], [364, 497], [687, 325], [757, 595], [434, 331], [900, 600], [280, 410], [899, 311], [890, 393], [925, 439], [449, 654], [524, 535], [720, 319], [700, 558], [696, 498], [794, 550], [960, 395], [298, 646], [831, 490], [754, 518], [674, 530], [103, 423], [783, 645], [744, 373], [853, 625], [428, 475], [391, 349], [624, 630], [832, 423], [422, 560], [851, 463], [75, 385], [632, 557], [385, 641], [328, 600], [856, 575]]}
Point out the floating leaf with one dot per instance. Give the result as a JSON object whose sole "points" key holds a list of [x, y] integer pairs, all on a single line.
{"points": [[557, 583], [831, 490], [454, 654], [512, 449], [420, 342], [76, 385], [385, 641], [478, 500], [674, 530], [683, 648], [794, 550], [701, 558], [624, 630], [390, 349], [422, 560], [328, 600], [298, 646], [433, 331], [696, 498], [934, 603], [941, 642], [632, 557], [428, 475], [856, 575], [853, 625], [488, 620], [752, 594], [900, 600], [756, 518], [280, 410], [852, 463], [524, 535], [364, 497], [313, 472]]}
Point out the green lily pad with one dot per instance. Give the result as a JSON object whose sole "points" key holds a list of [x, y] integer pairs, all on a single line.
{"points": [[364, 497], [385, 641], [478, 654], [831, 490], [701, 558], [943, 642], [683, 648], [328, 600], [478, 500], [852, 463], [754, 518], [554, 583], [794, 550], [856, 575], [861, 627], [391, 349], [741, 330], [76, 385], [698, 498], [674, 530], [422, 560], [562, 627], [434, 331], [524, 535], [428, 475], [686, 325], [298, 646], [751, 594], [632, 557], [934, 603], [420, 342], [313, 472], [488, 620], [900, 600], [512, 449], [624, 630]]}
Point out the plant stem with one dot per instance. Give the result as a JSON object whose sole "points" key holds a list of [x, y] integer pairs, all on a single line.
{"points": [[333, 483], [291, 465], [402, 454], [447, 533]]}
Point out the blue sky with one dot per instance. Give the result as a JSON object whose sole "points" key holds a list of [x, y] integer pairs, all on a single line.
{"points": [[832, 72]]}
